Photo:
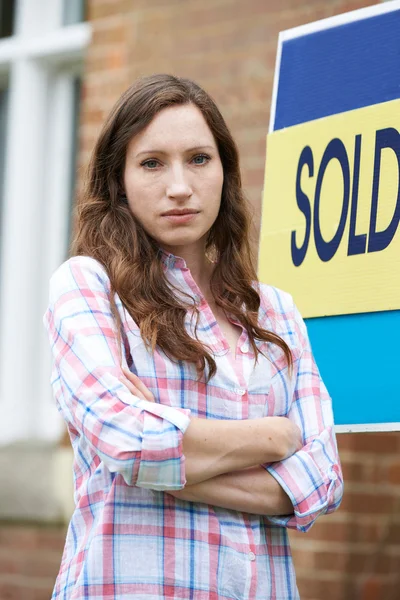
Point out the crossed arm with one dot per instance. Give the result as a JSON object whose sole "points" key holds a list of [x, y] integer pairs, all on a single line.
{"points": [[250, 489], [292, 492], [247, 465]]}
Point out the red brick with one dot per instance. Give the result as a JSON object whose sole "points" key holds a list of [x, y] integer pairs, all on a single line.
{"points": [[99, 9], [51, 538], [377, 589], [328, 530], [9, 591], [25, 591], [363, 471], [374, 443], [41, 594], [366, 503], [118, 32], [112, 60], [349, 5], [385, 564], [12, 536], [394, 473], [393, 534], [312, 588], [30, 565]]}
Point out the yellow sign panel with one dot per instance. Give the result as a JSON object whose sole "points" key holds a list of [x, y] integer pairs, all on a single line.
{"points": [[330, 230]]}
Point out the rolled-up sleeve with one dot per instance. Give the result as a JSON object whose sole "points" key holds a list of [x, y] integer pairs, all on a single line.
{"points": [[312, 477], [138, 439]]}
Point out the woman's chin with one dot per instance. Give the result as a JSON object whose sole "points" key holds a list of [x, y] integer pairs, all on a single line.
{"points": [[179, 240]]}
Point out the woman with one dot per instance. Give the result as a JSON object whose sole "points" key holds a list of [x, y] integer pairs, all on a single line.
{"points": [[201, 428]]}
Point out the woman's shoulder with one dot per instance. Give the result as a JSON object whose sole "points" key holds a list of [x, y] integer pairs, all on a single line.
{"points": [[79, 272], [275, 300], [279, 313]]}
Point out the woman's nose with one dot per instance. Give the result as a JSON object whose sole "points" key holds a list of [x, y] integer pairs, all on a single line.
{"points": [[178, 185]]}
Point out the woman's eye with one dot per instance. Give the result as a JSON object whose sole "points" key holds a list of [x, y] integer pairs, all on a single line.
{"points": [[150, 164], [201, 159]]}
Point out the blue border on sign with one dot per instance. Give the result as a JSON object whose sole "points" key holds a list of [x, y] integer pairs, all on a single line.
{"points": [[339, 69]]}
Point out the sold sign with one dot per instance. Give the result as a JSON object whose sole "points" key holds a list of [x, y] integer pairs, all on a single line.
{"points": [[330, 231], [335, 227], [357, 244]]}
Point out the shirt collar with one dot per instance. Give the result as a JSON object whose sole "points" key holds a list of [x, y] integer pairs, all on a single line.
{"points": [[170, 261]]}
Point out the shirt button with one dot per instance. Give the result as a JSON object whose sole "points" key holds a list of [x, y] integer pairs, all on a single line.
{"points": [[240, 391], [252, 556], [244, 348]]}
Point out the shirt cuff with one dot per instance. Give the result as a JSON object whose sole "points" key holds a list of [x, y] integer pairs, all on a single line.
{"points": [[313, 490], [162, 462]]}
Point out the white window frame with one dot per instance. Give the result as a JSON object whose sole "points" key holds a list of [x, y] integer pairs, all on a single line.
{"points": [[41, 59]]}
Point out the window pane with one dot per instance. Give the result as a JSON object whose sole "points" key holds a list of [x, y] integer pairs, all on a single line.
{"points": [[3, 121], [74, 11], [3, 132], [74, 149], [7, 11]]}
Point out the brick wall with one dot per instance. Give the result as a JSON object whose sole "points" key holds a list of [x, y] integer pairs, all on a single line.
{"points": [[30, 556], [229, 47]]}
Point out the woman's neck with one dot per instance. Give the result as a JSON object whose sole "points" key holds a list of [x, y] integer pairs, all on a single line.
{"points": [[201, 268]]}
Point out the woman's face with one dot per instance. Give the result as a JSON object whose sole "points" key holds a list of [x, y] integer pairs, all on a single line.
{"points": [[174, 165]]}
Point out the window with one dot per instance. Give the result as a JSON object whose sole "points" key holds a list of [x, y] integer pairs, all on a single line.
{"points": [[3, 122], [74, 11], [40, 72], [77, 88], [7, 11]]}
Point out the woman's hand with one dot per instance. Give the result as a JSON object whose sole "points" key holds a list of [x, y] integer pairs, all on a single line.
{"points": [[292, 437], [135, 386], [184, 494]]}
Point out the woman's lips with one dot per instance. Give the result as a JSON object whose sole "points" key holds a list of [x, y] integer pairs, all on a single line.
{"points": [[183, 218]]}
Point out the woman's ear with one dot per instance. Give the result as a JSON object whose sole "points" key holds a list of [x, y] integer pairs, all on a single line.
{"points": [[121, 194]]}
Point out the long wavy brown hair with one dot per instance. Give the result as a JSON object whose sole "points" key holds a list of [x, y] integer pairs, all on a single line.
{"points": [[107, 230]]}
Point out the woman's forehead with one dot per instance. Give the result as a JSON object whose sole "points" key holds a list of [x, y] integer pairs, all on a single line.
{"points": [[181, 126]]}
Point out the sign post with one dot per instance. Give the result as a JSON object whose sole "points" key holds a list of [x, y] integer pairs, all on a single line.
{"points": [[330, 230]]}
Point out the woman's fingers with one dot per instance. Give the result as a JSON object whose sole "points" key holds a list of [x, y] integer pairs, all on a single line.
{"points": [[142, 390], [133, 389]]}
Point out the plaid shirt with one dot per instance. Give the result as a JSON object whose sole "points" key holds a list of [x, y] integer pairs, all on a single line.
{"points": [[127, 538]]}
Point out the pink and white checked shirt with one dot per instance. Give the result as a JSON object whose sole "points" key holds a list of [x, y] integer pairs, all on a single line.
{"points": [[127, 538]]}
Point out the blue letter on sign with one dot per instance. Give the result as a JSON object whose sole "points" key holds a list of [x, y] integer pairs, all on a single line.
{"points": [[298, 254], [379, 240], [357, 243], [335, 149]]}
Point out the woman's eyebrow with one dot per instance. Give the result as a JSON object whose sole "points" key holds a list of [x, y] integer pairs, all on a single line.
{"points": [[194, 148]]}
